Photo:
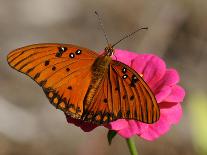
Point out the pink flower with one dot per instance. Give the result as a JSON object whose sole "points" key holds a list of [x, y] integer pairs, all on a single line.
{"points": [[163, 83]]}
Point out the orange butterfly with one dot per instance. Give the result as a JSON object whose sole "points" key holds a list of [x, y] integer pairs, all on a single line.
{"points": [[86, 85]]}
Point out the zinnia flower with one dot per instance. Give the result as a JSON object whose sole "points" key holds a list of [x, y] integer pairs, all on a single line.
{"points": [[163, 83]]}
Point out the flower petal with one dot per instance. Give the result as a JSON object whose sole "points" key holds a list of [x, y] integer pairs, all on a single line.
{"points": [[167, 118], [118, 124], [163, 93], [177, 94], [170, 78], [152, 67], [172, 113], [124, 56], [132, 129], [156, 130]]}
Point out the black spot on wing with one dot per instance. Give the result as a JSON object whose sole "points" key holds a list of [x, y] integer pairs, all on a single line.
{"points": [[42, 83], [134, 80], [47, 62], [78, 52], [61, 50], [70, 87], [36, 76], [124, 76], [124, 97], [29, 70], [53, 68], [132, 97], [72, 55], [105, 100], [124, 70]]}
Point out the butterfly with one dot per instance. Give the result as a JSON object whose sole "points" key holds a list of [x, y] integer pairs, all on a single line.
{"points": [[86, 85]]}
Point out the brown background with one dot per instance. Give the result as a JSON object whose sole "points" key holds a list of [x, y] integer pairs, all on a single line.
{"points": [[177, 33]]}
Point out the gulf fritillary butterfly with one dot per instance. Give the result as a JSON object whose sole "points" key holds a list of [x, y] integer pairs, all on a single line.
{"points": [[86, 85]]}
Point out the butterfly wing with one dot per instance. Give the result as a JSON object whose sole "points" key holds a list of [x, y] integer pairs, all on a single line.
{"points": [[62, 70], [122, 94]]}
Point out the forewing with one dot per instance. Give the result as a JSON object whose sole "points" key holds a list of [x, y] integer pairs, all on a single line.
{"points": [[62, 70]]}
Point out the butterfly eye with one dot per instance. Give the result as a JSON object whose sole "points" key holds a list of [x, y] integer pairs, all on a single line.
{"points": [[78, 52], [71, 55]]}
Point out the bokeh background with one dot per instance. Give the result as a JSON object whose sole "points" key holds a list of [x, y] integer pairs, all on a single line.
{"points": [[177, 33]]}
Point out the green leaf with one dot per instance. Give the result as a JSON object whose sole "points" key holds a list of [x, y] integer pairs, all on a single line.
{"points": [[111, 134]]}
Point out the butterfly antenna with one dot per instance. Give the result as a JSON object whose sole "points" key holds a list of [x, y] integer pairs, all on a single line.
{"points": [[102, 26], [129, 35]]}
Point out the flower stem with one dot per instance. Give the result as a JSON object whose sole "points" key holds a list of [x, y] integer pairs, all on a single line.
{"points": [[132, 147]]}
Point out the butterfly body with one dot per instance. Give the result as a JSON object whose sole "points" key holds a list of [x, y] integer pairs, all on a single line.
{"points": [[99, 69], [85, 85]]}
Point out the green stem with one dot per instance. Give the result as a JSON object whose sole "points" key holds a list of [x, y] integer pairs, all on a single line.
{"points": [[132, 146]]}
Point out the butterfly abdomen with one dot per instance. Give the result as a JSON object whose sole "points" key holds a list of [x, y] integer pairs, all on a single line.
{"points": [[99, 69]]}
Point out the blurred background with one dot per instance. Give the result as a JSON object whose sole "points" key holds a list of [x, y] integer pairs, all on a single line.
{"points": [[177, 33]]}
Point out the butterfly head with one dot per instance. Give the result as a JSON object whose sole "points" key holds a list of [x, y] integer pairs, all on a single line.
{"points": [[109, 50]]}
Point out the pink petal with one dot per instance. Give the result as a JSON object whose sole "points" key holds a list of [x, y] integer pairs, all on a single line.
{"points": [[152, 67], [124, 56], [118, 124], [177, 94], [132, 129], [168, 117], [163, 93], [156, 130], [170, 78], [172, 113]]}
